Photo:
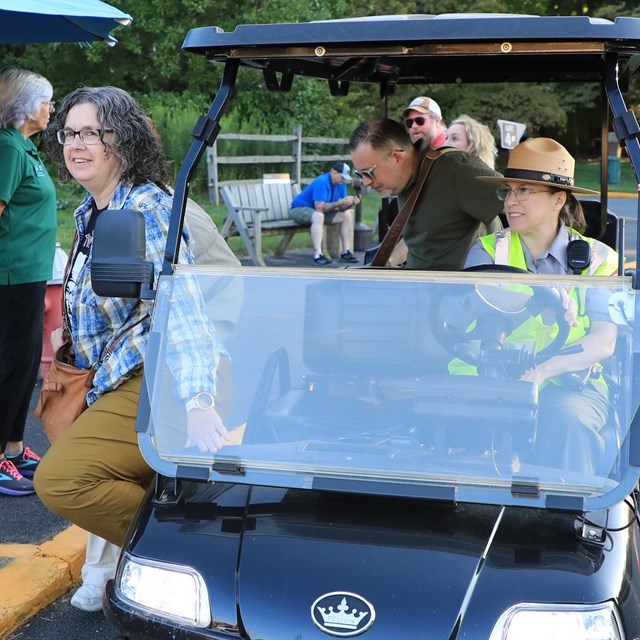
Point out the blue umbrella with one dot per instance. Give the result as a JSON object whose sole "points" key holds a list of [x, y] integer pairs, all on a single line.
{"points": [[26, 21]]}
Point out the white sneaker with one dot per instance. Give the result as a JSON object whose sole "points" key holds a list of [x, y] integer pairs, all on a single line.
{"points": [[88, 598]]}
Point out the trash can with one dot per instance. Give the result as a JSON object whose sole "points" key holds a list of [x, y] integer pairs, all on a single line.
{"points": [[613, 174], [52, 308]]}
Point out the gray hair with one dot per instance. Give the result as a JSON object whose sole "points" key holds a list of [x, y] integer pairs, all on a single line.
{"points": [[21, 94], [134, 142]]}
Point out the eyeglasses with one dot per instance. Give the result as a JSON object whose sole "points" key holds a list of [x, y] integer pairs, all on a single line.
{"points": [[419, 121], [522, 194], [88, 136], [368, 173], [51, 104]]}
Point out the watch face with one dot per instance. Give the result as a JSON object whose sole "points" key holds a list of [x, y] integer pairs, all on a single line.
{"points": [[204, 400]]}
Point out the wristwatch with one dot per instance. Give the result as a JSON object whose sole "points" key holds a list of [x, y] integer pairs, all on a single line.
{"points": [[203, 400]]}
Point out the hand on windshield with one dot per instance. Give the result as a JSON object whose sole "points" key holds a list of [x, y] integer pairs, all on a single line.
{"points": [[205, 430]]}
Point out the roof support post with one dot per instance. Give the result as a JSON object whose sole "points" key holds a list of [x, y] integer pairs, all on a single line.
{"points": [[204, 133]]}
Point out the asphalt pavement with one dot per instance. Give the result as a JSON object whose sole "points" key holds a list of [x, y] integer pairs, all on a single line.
{"points": [[40, 554]]}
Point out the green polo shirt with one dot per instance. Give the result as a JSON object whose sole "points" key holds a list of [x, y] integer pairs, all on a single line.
{"points": [[28, 222], [452, 211]]}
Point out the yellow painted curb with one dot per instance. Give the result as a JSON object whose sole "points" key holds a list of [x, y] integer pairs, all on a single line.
{"points": [[38, 575], [621, 194]]}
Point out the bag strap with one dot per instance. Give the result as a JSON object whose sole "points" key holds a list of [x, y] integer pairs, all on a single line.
{"points": [[394, 232]]}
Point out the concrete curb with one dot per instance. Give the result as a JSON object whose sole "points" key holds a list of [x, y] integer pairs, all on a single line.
{"points": [[37, 575]]}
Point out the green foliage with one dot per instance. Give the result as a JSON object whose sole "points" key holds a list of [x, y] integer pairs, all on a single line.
{"points": [[174, 125], [175, 87]]}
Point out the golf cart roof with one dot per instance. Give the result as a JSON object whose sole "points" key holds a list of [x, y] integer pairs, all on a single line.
{"points": [[458, 48]]}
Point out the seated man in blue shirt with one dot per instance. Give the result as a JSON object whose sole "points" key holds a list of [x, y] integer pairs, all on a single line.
{"points": [[325, 201]]}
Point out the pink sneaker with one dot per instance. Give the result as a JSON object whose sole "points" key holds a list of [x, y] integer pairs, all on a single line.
{"points": [[12, 482], [26, 462]]}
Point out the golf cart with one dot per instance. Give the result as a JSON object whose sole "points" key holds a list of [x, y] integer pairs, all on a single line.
{"points": [[365, 489]]}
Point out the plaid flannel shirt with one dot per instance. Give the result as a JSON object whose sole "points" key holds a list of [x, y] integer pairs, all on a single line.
{"points": [[97, 322]]}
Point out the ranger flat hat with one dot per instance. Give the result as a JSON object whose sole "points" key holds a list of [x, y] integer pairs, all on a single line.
{"points": [[541, 161]]}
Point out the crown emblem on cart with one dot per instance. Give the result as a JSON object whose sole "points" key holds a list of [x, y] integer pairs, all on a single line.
{"points": [[342, 614], [341, 618]]}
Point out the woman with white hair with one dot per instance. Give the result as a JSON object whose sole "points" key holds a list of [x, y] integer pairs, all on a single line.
{"points": [[467, 134], [27, 247]]}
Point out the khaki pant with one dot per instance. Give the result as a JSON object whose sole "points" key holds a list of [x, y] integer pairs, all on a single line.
{"points": [[95, 475]]}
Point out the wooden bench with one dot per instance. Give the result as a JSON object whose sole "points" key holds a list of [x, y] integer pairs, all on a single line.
{"points": [[258, 208]]}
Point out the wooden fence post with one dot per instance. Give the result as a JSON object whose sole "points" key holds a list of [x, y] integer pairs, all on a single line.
{"points": [[294, 159], [296, 169]]}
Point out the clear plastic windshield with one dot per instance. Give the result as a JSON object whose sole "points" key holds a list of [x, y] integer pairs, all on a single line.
{"points": [[488, 387]]}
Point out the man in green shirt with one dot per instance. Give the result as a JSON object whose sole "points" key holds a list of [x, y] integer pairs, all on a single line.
{"points": [[453, 209]]}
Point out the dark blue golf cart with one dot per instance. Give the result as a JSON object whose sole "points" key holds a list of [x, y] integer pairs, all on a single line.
{"points": [[365, 491]]}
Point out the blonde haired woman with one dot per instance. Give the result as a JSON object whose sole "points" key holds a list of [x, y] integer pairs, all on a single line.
{"points": [[469, 135]]}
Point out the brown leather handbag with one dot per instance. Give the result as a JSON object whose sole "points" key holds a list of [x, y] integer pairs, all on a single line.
{"points": [[64, 394]]}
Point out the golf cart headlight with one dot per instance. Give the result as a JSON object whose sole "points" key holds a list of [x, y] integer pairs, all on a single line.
{"points": [[171, 591], [559, 622]]}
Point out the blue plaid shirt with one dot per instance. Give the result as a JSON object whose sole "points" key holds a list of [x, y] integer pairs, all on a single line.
{"points": [[97, 322]]}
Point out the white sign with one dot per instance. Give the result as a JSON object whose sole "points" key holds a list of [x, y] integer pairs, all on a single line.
{"points": [[510, 133]]}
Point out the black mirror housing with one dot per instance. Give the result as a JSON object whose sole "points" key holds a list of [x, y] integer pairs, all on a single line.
{"points": [[119, 267]]}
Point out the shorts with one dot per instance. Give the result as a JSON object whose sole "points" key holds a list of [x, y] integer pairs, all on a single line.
{"points": [[303, 215]]}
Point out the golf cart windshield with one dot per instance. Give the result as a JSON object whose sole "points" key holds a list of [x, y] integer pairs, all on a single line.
{"points": [[397, 383]]}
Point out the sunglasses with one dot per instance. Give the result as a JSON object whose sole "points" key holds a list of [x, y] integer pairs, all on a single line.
{"points": [[368, 173], [419, 121]]}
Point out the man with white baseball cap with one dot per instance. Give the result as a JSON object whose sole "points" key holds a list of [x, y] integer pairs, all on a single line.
{"points": [[325, 201], [423, 120]]}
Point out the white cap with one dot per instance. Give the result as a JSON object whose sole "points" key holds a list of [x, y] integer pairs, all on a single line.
{"points": [[423, 105], [343, 169]]}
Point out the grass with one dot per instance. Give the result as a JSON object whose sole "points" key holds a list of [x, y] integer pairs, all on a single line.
{"points": [[587, 175]]}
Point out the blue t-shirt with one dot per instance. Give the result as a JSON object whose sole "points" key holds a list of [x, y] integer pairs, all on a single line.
{"points": [[320, 190]]}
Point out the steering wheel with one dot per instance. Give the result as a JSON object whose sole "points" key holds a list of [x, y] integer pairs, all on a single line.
{"points": [[476, 345]]}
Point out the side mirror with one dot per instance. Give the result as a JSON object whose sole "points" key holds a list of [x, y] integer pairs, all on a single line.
{"points": [[118, 267]]}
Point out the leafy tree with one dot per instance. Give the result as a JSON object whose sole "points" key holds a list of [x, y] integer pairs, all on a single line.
{"points": [[149, 62]]}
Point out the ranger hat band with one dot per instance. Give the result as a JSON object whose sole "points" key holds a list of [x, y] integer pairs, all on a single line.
{"points": [[541, 161]]}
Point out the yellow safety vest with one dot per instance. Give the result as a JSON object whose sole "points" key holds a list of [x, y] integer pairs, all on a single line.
{"points": [[505, 247]]}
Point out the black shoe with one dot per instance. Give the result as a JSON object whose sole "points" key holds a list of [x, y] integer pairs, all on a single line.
{"points": [[322, 260], [12, 483], [347, 256], [26, 462]]}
